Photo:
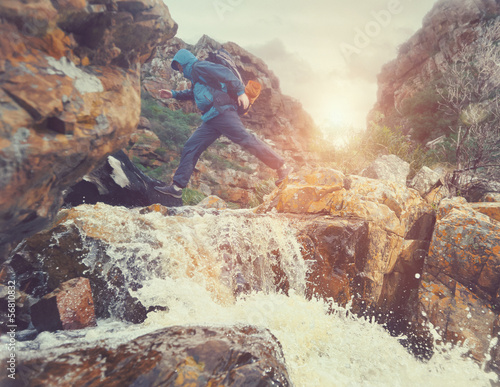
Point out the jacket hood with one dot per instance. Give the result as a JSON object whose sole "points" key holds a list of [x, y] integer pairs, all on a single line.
{"points": [[186, 59]]}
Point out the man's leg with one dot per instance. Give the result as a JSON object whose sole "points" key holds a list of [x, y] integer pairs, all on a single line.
{"points": [[200, 140], [193, 148], [229, 124]]}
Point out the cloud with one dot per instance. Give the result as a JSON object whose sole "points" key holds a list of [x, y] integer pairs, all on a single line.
{"points": [[368, 63], [291, 67], [272, 50]]}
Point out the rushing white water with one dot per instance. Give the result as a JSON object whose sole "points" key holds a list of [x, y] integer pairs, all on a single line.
{"points": [[193, 266]]}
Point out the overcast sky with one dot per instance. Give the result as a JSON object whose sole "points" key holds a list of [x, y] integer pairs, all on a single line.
{"points": [[326, 53]]}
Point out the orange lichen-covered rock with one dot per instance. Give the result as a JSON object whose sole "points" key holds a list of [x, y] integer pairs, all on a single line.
{"points": [[336, 250], [412, 212], [491, 197], [69, 96], [213, 202], [492, 209], [457, 314], [466, 247], [389, 205], [447, 205], [461, 282], [304, 199], [306, 192], [326, 177]]}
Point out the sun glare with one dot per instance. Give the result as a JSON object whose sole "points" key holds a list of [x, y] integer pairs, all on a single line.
{"points": [[337, 127], [338, 119]]}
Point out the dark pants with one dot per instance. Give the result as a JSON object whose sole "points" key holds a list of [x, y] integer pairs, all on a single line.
{"points": [[228, 124]]}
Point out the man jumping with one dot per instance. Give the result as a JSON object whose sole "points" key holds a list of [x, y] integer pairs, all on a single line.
{"points": [[217, 92]]}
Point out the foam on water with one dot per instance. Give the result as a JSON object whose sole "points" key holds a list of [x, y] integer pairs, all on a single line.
{"points": [[321, 349], [193, 265]]}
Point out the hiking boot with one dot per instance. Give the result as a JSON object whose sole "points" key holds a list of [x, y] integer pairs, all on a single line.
{"points": [[283, 172], [171, 190]]}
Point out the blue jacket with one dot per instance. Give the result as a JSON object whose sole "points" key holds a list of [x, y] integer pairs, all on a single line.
{"points": [[213, 84]]}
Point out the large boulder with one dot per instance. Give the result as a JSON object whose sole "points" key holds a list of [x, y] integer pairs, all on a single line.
{"points": [[366, 239], [389, 168], [425, 180], [70, 96], [174, 356], [76, 246], [461, 280]]}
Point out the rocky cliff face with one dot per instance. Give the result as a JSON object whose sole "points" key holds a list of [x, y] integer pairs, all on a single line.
{"points": [[448, 27], [70, 96]]}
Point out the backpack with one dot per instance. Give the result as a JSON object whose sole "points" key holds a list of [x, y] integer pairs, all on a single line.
{"points": [[221, 56], [252, 88]]}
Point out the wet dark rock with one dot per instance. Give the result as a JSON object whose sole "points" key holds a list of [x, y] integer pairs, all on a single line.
{"points": [[70, 306], [118, 182], [194, 356], [48, 259]]}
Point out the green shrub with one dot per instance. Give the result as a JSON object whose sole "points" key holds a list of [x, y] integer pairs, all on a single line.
{"points": [[173, 127], [191, 197], [263, 188], [162, 172], [150, 109], [161, 151], [425, 120]]}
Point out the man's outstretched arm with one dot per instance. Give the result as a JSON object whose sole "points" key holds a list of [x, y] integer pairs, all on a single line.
{"points": [[183, 95]]}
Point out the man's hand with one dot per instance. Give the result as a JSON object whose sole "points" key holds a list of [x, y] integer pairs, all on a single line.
{"points": [[165, 93], [243, 101]]}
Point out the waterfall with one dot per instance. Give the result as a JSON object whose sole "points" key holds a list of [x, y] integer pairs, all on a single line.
{"points": [[236, 267]]}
